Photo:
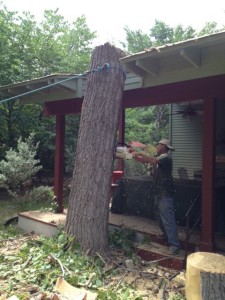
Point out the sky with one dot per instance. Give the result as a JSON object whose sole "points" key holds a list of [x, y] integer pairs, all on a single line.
{"points": [[108, 18]]}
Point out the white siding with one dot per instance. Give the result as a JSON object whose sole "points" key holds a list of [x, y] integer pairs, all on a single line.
{"points": [[186, 136], [132, 81]]}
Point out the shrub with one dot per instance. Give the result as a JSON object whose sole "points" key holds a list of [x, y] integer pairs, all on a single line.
{"points": [[40, 194], [19, 166]]}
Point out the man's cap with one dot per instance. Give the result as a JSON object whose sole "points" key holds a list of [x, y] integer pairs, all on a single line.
{"points": [[167, 143]]}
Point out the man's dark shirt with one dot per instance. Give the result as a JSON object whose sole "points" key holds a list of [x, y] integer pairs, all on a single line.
{"points": [[162, 176]]}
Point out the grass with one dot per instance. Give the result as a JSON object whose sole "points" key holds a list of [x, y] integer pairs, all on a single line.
{"points": [[11, 207], [8, 207]]}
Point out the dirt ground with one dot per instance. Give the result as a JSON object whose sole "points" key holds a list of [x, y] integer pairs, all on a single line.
{"points": [[152, 281]]}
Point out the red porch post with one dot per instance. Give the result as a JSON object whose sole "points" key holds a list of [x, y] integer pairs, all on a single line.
{"points": [[208, 177], [59, 160], [121, 137]]}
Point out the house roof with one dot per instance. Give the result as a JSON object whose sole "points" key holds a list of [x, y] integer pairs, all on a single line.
{"points": [[191, 59], [56, 87], [47, 88]]}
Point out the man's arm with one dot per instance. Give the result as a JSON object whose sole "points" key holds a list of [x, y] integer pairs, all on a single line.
{"points": [[144, 158]]}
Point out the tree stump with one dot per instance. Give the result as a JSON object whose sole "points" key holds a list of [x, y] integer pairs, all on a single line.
{"points": [[205, 276], [88, 211]]}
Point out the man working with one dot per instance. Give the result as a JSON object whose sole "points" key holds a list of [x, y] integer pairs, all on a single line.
{"points": [[164, 191]]}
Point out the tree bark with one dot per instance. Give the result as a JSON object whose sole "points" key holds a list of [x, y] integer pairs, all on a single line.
{"points": [[205, 274], [88, 211], [212, 286]]}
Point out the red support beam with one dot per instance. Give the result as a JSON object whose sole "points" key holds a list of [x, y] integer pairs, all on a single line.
{"points": [[208, 176], [63, 107], [121, 136], [59, 161], [175, 92]]}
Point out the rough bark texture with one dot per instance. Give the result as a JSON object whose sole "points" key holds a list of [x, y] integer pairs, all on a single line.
{"points": [[212, 286], [87, 217], [205, 274]]}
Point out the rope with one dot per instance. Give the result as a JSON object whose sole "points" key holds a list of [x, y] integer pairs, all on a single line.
{"points": [[105, 67]]}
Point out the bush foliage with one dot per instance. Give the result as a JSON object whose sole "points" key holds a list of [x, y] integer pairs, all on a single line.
{"points": [[19, 168]]}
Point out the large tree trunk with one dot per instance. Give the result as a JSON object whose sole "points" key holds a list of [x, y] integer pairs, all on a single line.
{"points": [[87, 217]]}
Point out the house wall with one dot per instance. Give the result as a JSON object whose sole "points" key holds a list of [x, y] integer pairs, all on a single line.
{"points": [[186, 137]]}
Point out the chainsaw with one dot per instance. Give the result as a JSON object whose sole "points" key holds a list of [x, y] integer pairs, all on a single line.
{"points": [[123, 151]]}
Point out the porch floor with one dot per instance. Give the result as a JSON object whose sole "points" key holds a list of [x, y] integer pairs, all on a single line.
{"points": [[47, 223]]}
